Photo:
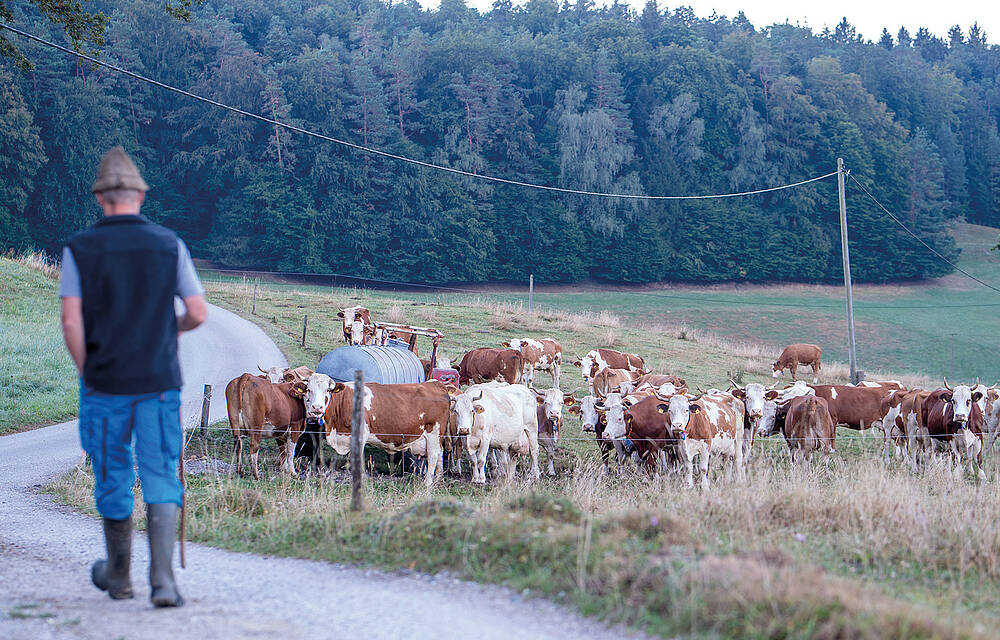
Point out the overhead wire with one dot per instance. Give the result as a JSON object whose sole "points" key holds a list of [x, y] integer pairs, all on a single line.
{"points": [[393, 156]]}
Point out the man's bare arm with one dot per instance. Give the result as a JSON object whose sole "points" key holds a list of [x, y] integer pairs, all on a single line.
{"points": [[196, 313], [72, 326]]}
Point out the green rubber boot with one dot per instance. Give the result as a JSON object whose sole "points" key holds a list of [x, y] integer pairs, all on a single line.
{"points": [[161, 525], [112, 574]]}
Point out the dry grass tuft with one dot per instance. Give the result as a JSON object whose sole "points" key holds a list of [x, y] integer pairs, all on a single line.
{"points": [[395, 314], [608, 339], [39, 261]]}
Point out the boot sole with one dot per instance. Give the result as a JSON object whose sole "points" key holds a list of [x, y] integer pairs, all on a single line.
{"points": [[161, 601], [123, 593]]}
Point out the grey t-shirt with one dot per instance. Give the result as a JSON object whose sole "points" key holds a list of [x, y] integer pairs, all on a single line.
{"points": [[187, 280]]}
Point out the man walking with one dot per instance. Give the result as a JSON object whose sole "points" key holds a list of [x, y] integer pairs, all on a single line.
{"points": [[119, 281]]}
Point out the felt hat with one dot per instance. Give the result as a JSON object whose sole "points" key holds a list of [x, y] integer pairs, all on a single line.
{"points": [[117, 171]]}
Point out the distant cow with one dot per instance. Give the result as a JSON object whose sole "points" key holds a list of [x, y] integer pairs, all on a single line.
{"points": [[544, 354], [487, 364], [610, 380], [550, 405], [599, 359], [710, 424], [855, 407], [259, 409], [754, 397], [796, 354], [497, 415], [398, 417], [809, 427], [596, 421], [357, 325]]}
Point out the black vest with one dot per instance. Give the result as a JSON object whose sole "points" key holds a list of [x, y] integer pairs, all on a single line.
{"points": [[128, 279]]}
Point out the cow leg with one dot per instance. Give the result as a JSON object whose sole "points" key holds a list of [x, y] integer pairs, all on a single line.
{"points": [[738, 462], [533, 452], [550, 452], [286, 455], [238, 452], [815, 367], [689, 470], [887, 445], [793, 367], [481, 455], [433, 446], [705, 482], [254, 452], [556, 371]]}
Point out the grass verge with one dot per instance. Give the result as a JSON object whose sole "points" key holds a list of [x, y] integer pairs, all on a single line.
{"points": [[38, 382]]}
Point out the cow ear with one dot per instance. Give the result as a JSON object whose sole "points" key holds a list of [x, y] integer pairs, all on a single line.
{"points": [[946, 396], [478, 408], [977, 396], [452, 390], [662, 408], [539, 399], [505, 344], [695, 408], [340, 314], [770, 395], [575, 410], [569, 401], [576, 363], [337, 388], [739, 393]]}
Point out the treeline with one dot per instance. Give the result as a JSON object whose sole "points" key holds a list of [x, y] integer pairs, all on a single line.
{"points": [[661, 102]]}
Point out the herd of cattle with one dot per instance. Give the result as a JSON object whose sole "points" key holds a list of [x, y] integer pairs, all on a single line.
{"points": [[634, 414]]}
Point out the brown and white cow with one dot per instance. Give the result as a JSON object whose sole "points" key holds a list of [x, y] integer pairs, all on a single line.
{"points": [[655, 381], [903, 425], [358, 326], [595, 421], [712, 423], [610, 380], [648, 428], [544, 354], [550, 405], [952, 418], [809, 427], [487, 364], [398, 417], [599, 359], [796, 354], [855, 407], [754, 397], [259, 409]]}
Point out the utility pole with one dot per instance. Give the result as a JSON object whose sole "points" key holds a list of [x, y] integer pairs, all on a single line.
{"points": [[851, 347]]}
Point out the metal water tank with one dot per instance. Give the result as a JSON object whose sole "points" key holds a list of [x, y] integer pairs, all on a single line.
{"points": [[391, 364]]}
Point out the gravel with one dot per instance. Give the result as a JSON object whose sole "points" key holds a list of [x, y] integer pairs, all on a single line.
{"points": [[46, 550]]}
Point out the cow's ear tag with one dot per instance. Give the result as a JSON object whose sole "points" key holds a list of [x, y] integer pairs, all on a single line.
{"points": [[540, 400], [695, 409]]}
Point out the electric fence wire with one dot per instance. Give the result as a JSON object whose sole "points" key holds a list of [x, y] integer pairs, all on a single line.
{"points": [[393, 156]]}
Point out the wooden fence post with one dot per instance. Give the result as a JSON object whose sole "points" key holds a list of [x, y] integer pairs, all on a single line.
{"points": [[357, 444], [206, 405], [305, 322], [253, 307]]}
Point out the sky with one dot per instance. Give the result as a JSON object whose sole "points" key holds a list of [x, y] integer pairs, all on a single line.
{"points": [[868, 16]]}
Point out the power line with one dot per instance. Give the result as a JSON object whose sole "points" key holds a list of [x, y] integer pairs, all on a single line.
{"points": [[393, 156], [920, 240]]}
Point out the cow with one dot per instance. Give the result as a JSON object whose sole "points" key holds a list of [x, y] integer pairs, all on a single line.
{"points": [[712, 423], [796, 354], [808, 427], [260, 409], [397, 417], [357, 325], [952, 418], [754, 396], [903, 424], [599, 359], [855, 407], [648, 429], [487, 364], [497, 415], [609, 380], [544, 354], [550, 405]]}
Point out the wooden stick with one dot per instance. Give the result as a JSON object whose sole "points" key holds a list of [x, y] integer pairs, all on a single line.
{"points": [[357, 444]]}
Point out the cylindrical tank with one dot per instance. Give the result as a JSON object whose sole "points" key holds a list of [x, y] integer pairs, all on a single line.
{"points": [[390, 364]]}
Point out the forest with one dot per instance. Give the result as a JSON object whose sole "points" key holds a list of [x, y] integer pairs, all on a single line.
{"points": [[609, 99]]}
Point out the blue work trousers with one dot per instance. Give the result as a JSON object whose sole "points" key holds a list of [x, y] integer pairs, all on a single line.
{"points": [[109, 424]]}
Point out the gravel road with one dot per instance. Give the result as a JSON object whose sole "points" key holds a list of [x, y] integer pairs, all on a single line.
{"points": [[46, 550]]}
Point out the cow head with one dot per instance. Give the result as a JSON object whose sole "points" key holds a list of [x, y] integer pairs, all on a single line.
{"points": [[754, 395], [776, 370], [298, 374], [961, 398], [768, 423], [587, 410], [679, 411], [356, 329], [466, 406], [274, 375], [588, 365], [614, 414], [319, 389]]}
